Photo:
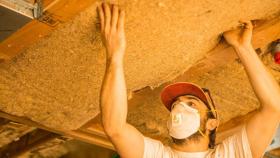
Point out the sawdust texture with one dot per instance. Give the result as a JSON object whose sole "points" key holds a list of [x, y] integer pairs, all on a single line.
{"points": [[230, 90], [56, 82]]}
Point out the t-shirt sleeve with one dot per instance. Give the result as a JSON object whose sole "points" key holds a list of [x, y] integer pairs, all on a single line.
{"points": [[155, 149], [236, 146]]}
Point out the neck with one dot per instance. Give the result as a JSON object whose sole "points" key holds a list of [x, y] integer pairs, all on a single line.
{"points": [[192, 146]]}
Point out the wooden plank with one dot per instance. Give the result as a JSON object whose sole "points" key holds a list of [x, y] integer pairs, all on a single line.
{"points": [[94, 126], [20, 6], [47, 4], [76, 134], [18, 41], [48, 147], [18, 138], [59, 12], [12, 131]]}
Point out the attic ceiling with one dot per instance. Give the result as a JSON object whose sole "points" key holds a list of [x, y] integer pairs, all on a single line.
{"points": [[57, 80]]}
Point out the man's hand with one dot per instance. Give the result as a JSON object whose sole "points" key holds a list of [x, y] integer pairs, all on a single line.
{"points": [[113, 96], [240, 37], [112, 30], [261, 127]]}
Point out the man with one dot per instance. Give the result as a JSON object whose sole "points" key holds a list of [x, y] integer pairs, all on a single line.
{"points": [[193, 119]]}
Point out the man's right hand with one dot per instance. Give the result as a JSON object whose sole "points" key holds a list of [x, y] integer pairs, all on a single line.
{"points": [[112, 30], [240, 37]]}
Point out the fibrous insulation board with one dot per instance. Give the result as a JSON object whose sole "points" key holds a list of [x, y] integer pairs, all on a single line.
{"points": [[56, 82]]}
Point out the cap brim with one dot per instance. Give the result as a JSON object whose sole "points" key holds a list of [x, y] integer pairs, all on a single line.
{"points": [[171, 92]]}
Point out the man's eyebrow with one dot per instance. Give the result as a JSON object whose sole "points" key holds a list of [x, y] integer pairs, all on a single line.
{"points": [[191, 97]]}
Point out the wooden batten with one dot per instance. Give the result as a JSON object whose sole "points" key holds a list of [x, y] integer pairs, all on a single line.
{"points": [[55, 13], [87, 135]]}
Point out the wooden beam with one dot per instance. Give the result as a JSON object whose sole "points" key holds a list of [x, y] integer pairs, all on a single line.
{"points": [[59, 11], [49, 146], [23, 7], [47, 4], [94, 127], [83, 135], [11, 131], [17, 138]]}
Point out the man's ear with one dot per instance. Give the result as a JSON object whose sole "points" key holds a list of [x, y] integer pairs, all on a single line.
{"points": [[211, 124]]}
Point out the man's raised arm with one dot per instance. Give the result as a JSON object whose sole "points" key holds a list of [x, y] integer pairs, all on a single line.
{"points": [[262, 126], [113, 100]]}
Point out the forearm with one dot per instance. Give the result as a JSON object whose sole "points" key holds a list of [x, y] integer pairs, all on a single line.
{"points": [[113, 99], [265, 86]]}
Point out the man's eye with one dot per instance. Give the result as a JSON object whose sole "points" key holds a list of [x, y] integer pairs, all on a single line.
{"points": [[191, 104]]}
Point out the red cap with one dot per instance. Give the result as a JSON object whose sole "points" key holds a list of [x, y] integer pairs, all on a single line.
{"points": [[277, 57], [172, 91]]}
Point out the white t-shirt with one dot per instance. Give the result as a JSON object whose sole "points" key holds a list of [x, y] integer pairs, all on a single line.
{"points": [[236, 146]]}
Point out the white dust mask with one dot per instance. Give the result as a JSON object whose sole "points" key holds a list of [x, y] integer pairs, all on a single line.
{"points": [[183, 121]]}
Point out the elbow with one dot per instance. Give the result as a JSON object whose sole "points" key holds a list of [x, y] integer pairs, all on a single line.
{"points": [[278, 110], [276, 106], [111, 131], [273, 108], [113, 127], [278, 113]]}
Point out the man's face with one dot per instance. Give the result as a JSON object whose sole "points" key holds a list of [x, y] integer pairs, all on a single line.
{"points": [[195, 103]]}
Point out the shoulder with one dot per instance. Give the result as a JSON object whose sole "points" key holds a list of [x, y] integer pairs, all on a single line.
{"points": [[235, 146], [154, 149]]}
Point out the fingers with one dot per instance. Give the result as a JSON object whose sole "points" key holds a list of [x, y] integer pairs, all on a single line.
{"points": [[101, 17], [115, 16], [121, 20], [248, 29], [110, 16], [248, 25], [107, 11]]}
